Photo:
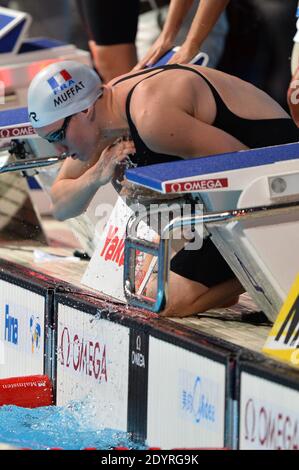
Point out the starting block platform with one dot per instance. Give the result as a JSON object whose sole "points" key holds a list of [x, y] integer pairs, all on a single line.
{"points": [[257, 242], [164, 178], [15, 124]]}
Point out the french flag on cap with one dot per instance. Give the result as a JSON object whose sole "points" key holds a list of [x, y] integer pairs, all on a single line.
{"points": [[59, 79]]}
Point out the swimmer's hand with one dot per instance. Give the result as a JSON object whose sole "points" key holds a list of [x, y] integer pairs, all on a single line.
{"points": [[116, 155]]}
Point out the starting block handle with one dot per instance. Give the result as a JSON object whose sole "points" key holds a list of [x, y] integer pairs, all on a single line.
{"points": [[162, 252], [201, 58]]}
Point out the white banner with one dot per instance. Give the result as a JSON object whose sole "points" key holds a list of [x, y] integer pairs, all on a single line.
{"points": [[186, 400], [22, 324], [269, 415], [105, 272], [93, 365]]}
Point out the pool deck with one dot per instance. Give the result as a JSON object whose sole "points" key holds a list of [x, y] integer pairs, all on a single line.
{"points": [[234, 325]]}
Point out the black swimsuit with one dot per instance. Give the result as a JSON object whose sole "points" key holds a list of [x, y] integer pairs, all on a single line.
{"points": [[206, 265], [254, 133]]}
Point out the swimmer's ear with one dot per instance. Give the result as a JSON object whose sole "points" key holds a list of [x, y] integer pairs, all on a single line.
{"points": [[89, 112]]}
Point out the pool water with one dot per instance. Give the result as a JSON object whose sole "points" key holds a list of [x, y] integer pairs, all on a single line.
{"points": [[64, 428]]}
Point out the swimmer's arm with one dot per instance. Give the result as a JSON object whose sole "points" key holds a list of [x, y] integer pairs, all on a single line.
{"points": [[73, 190], [173, 131], [77, 183]]}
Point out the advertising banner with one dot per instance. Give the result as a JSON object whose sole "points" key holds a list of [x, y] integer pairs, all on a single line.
{"points": [[93, 366], [283, 340], [186, 398], [22, 324], [269, 415], [105, 272]]}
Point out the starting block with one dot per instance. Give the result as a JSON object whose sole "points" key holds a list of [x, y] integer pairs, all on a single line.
{"points": [[19, 217], [13, 28], [19, 141], [251, 199], [22, 58], [201, 58], [15, 124]]}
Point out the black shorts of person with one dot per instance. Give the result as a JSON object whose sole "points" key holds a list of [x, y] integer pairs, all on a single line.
{"points": [[111, 22], [205, 265]]}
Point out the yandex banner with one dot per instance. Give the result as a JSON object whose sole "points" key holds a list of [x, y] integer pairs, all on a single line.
{"points": [[106, 269], [114, 247]]}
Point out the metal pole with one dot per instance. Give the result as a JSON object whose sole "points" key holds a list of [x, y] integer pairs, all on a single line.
{"points": [[32, 164], [219, 218]]}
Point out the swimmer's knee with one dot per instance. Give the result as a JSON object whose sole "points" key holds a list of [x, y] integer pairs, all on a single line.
{"points": [[183, 293], [231, 302]]}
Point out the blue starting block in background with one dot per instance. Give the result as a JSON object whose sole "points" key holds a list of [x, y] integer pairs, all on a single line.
{"points": [[15, 124], [200, 59], [14, 117], [22, 58], [39, 44], [13, 27]]}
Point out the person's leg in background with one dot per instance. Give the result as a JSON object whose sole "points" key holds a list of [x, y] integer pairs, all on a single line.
{"points": [[293, 91], [112, 28], [150, 24]]}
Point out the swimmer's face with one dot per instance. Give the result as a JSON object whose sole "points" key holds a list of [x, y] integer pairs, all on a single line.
{"points": [[72, 135]]}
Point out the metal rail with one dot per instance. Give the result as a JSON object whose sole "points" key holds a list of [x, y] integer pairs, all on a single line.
{"points": [[162, 250], [24, 165]]}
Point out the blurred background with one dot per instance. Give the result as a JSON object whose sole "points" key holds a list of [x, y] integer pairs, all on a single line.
{"points": [[258, 45]]}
